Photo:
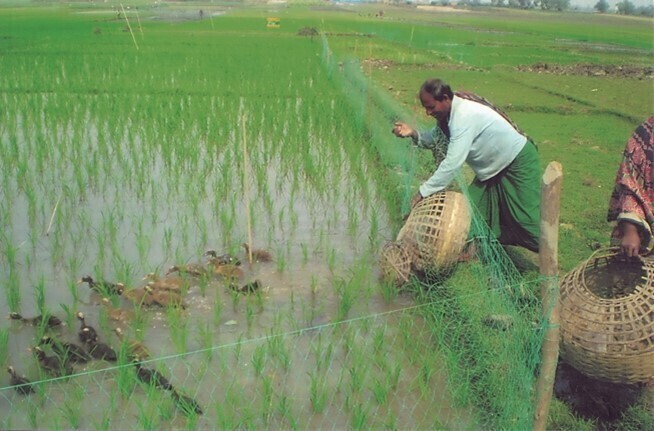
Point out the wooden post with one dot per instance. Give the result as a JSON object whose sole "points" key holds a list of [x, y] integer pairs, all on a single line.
{"points": [[246, 190], [549, 268]]}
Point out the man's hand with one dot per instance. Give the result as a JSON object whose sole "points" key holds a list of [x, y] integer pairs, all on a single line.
{"points": [[402, 130], [415, 199]]}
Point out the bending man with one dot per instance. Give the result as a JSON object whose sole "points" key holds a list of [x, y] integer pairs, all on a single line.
{"points": [[506, 189]]}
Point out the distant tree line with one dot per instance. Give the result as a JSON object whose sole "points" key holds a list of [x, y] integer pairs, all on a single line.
{"points": [[624, 7]]}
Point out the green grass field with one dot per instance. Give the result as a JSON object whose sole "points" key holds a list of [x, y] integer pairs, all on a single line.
{"points": [[121, 147]]}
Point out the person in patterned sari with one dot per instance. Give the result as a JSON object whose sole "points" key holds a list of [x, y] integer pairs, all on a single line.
{"points": [[632, 200], [506, 188]]}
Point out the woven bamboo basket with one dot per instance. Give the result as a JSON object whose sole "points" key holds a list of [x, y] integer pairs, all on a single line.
{"points": [[436, 230], [395, 263], [607, 318]]}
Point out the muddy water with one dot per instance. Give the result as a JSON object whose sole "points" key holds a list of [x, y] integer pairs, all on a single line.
{"points": [[318, 346]]}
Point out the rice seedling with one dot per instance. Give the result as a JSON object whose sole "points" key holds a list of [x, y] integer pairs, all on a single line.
{"points": [[360, 414], [72, 408], [266, 398], [258, 360], [178, 328], [379, 389], [205, 339], [32, 416], [217, 310], [285, 410], [317, 391], [146, 419], [4, 345]]}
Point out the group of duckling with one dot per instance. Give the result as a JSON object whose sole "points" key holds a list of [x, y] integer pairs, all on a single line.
{"points": [[169, 290], [66, 354], [163, 291]]}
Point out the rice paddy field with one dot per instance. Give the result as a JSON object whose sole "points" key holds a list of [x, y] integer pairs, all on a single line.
{"points": [[136, 137]]}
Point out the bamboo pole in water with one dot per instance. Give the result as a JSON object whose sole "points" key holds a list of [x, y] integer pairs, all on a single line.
{"points": [[129, 26], [246, 189], [549, 268]]}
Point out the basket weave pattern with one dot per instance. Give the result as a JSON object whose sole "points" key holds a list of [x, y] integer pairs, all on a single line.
{"points": [[395, 263], [607, 318], [436, 230]]}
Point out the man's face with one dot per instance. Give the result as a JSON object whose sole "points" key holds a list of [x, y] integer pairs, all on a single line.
{"points": [[439, 109]]}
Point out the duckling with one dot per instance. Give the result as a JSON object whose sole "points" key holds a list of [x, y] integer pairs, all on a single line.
{"points": [[103, 287], [50, 321], [139, 297], [67, 352], [173, 283], [136, 351], [21, 384], [86, 332], [194, 269], [228, 271], [52, 364], [246, 288], [223, 259], [152, 377], [185, 403], [101, 351], [258, 255], [165, 298], [117, 314]]}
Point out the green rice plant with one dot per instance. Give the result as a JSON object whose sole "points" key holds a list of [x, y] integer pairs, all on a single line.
{"points": [[203, 282], [331, 260], [39, 294], [12, 287], [317, 392], [4, 345], [345, 294], [236, 299], [72, 408], [125, 374], [379, 390], [217, 310], [285, 410], [280, 260], [178, 327], [278, 350], [146, 419], [205, 339], [237, 349], [360, 414], [249, 313], [258, 360], [32, 415], [266, 398]]}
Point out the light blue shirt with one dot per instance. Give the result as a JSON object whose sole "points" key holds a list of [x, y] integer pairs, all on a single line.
{"points": [[479, 136]]}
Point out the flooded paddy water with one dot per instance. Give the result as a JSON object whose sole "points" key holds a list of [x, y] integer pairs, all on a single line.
{"points": [[116, 185]]}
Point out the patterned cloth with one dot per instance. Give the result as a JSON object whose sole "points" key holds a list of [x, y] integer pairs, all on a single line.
{"points": [[633, 195]]}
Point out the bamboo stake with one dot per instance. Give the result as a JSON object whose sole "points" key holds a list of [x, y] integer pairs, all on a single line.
{"points": [[246, 189], [138, 19], [54, 211], [549, 268], [129, 26]]}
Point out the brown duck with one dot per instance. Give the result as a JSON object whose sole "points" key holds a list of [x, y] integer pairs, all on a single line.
{"points": [[258, 254]]}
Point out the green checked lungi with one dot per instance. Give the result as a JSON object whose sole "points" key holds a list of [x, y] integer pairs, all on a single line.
{"points": [[510, 201]]}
